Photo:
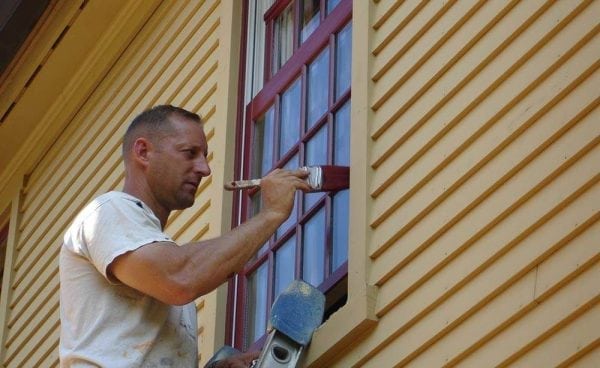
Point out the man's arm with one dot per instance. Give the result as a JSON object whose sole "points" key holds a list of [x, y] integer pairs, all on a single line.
{"points": [[179, 274]]}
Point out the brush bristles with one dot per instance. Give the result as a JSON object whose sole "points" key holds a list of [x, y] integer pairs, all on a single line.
{"points": [[335, 178]]}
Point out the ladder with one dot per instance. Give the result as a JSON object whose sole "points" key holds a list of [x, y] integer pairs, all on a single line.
{"points": [[295, 315]]}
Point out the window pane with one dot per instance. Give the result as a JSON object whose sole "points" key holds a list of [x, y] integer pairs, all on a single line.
{"points": [[339, 251], [285, 264], [290, 118], [316, 154], [318, 88], [255, 205], [257, 305], [262, 157], [331, 4], [283, 41], [341, 152], [292, 164], [343, 62], [313, 244], [254, 208], [310, 18]]}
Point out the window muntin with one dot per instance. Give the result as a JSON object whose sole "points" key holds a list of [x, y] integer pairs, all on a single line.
{"points": [[297, 119]]}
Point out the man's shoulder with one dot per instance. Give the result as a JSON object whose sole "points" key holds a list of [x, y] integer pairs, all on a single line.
{"points": [[114, 198], [105, 202]]}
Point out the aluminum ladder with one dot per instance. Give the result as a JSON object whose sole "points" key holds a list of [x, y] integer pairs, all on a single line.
{"points": [[295, 315]]}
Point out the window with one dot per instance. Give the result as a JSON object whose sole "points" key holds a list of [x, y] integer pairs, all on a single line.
{"points": [[297, 115]]}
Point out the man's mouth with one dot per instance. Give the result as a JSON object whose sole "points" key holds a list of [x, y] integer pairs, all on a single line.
{"points": [[192, 185]]}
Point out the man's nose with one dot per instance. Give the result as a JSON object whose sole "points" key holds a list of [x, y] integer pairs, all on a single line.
{"points": [[201, 166]]}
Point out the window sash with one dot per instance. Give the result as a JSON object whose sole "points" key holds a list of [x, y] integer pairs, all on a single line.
{"points": [[270, 99]]}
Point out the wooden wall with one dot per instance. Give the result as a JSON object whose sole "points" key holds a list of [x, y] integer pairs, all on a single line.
{"points": [[483, 183], [179, 56], [475, 168]]}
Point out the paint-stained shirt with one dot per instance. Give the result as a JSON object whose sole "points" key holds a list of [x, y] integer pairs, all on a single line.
{"points": [[103, 322]]}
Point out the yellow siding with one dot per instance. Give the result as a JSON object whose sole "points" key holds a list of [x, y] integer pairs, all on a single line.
{"points": [[484, 183], [174, 60], [475, 150]]}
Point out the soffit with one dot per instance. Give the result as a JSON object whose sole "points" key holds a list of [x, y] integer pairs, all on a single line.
{"points": [[73, 45]]}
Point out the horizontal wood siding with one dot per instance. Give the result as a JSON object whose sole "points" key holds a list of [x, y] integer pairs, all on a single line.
{"points": [[172, 60], [484, 193]]}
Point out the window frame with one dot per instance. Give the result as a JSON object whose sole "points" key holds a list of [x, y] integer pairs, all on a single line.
{"points": [[273, 87]]}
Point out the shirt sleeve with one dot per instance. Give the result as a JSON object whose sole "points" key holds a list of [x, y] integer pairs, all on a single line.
{"points": [[116, 227]]}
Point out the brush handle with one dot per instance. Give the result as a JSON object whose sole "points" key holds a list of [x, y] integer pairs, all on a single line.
{"points": [[242, 184]]}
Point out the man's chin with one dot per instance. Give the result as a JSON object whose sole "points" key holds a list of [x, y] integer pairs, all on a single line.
{"points": [[184, 203]]}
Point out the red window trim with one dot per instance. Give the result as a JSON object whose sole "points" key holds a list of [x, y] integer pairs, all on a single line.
{"points": [[334, 22], [310, 49]]}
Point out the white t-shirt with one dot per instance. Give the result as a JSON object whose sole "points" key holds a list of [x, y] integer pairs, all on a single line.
{"points": [[108, 324]]}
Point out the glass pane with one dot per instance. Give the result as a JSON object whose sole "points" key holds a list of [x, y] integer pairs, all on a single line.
{"points": [[310, 18], [254, 208], [285, 265], [331, 4], [255, 204], [318, 88], [292, 164], [257, 305], [343, 62], [290, 118], [339, 252], [316, 154], [283, 41], [341, 149], [262, 156], [313, 245]]}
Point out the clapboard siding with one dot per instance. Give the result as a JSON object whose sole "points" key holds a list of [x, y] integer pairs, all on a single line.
{"points": [[484, 187], [174, 60], [481, 150]]}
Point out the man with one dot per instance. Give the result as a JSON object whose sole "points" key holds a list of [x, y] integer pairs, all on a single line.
{"points": [[127, 290]]}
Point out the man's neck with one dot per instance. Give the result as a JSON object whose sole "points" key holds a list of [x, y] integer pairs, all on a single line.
{"points": [[161, 213]]}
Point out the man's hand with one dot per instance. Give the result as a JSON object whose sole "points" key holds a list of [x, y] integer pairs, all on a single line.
{"points": [[243, 360], [278, 189]]}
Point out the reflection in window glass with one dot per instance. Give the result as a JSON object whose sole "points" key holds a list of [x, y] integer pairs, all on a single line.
{"points": [[341, 153], [283, 39], [257, 304], [262, 159], [331, 4], [318, 87], [255, 205], [254, 208], [343, 62], [316, 154], [290, 118], [292, 164], [313, 243], [339, 251], [285, 263], [310, 18]]}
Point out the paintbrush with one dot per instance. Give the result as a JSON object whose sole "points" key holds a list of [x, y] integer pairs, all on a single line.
{"points": [[324, 178]]}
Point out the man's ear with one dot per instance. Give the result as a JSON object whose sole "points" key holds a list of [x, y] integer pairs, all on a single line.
{"points": [[141, 149]]}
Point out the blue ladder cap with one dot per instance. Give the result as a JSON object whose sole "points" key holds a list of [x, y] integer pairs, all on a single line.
{"points": [[298, 311]]}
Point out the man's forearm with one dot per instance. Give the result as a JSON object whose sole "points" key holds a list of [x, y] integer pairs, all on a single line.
{"points": [[212, 261]]}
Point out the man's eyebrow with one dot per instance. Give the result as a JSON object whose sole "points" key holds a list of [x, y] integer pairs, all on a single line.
{"points": [[197, 147]]}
